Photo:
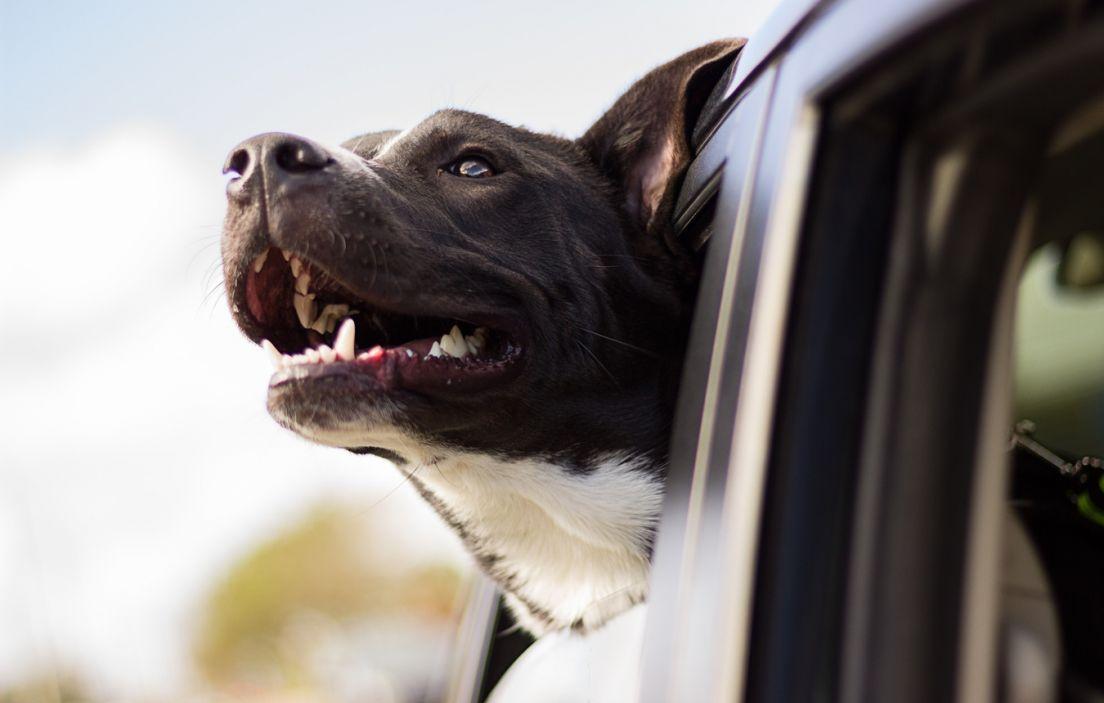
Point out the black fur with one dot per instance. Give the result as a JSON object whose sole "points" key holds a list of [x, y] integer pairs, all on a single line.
{"points": [[562, 247], [568, 250]]}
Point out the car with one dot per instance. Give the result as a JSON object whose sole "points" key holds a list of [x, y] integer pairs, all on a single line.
{"points": [[884, 483]]}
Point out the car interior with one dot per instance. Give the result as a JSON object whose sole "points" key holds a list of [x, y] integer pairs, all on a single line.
{"points": [[1053, 617]]}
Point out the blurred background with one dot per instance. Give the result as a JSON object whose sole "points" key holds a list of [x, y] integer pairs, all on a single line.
{"points": [[160, 538]]}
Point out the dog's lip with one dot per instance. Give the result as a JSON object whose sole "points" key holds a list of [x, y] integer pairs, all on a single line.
{"points": [[409, 366], [393, 370], [501, 317]]}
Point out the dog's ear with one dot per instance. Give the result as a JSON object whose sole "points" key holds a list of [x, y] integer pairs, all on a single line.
{"points": [[643, 142]]}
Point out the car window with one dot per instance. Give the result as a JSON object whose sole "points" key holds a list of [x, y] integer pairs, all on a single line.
{"points": [[1052, 613], [1060, 345]]}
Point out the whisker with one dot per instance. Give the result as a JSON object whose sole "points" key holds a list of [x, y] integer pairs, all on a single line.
{"points": [[598, 361], [217, 290], [647, 352], [407, 477]]}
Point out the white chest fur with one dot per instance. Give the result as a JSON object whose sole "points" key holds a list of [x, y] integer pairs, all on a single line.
{"points": [[570, 547]]}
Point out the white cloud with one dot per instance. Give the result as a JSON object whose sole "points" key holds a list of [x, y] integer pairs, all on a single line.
{"points": [[136, 456]]}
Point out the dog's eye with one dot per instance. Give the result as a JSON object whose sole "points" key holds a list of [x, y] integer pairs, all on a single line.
{"points": [[471, 167]]}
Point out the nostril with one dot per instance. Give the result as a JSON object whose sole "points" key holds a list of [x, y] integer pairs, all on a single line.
{"points": [[238, 163], [300, 157]]}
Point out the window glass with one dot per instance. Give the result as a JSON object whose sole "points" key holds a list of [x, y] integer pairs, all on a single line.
{"points": [[1060, 346]]}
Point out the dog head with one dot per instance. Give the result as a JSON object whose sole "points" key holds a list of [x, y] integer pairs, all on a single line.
{"points": [[509, 292]]}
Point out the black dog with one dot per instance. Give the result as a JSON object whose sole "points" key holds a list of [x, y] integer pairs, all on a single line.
{"points": [[501, 313]]}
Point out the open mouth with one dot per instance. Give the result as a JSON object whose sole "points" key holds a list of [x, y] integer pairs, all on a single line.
{"points": [[314, 326]]}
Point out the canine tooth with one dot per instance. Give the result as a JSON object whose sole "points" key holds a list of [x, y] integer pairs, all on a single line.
{"points": [[306, 309], [435, 350], [286, 254], [259, 262], [302, 282], [345, 343], [328, 355], [448, 346], [273, 353], [457, 335], [459, 345]]}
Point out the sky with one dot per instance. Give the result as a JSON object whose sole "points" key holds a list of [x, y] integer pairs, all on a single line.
{"points": [[136, 458]]}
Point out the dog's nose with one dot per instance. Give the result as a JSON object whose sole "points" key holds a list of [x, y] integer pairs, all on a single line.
{"points": [[276, 156]]}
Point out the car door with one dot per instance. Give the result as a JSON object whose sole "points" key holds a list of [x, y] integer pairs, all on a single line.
{"points": [[837, 518]]}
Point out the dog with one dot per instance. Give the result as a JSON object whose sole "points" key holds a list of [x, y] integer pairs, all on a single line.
{"points": [[501, 313]]}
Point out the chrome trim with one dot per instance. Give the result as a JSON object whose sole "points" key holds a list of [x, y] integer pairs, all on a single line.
{"points": [[781, 24], [980, 621], [749, 450], [474, 639]]}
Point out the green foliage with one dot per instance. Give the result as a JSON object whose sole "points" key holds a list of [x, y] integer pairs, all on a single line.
{"points": [[325, 569]]}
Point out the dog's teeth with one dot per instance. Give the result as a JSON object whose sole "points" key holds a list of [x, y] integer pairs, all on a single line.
{"points": [[302, 282], [286, 254], [259, 262], [454, 344], [312, 355], [410, 353], [345, 342], [273, 353], [306, 309], [434, 351], [451, 348], [327, 319], [328, 355], [296, 266], [457, 335], [474, 343]]}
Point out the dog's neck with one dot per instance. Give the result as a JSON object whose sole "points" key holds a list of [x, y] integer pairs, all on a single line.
{"points": [[569, 547], [568, 544]]}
